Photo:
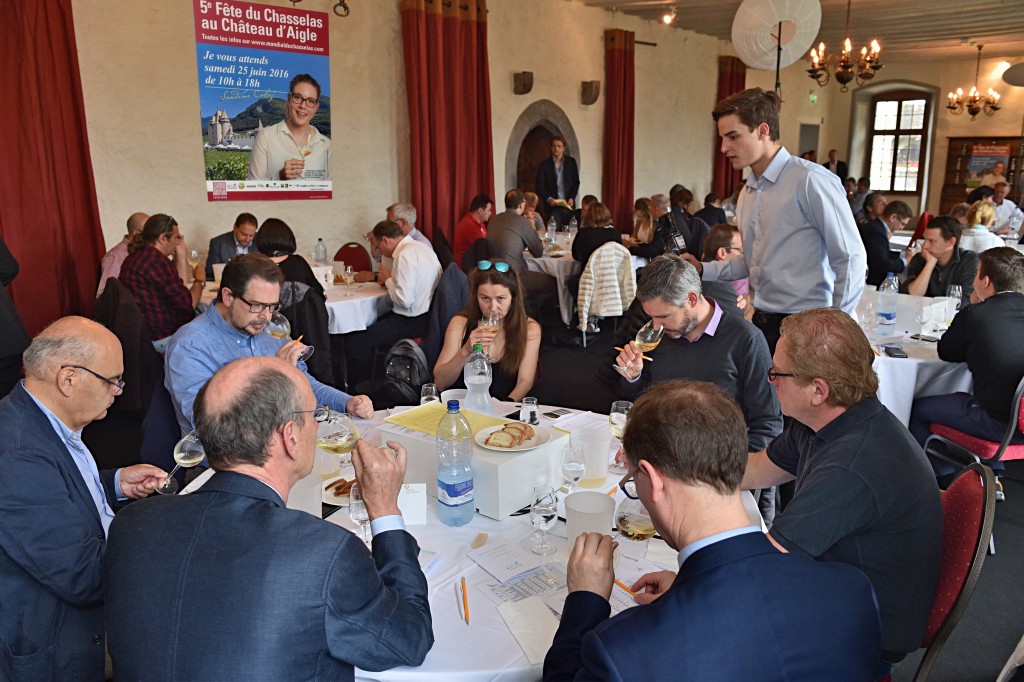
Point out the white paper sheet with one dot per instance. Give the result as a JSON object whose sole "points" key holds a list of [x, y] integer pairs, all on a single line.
{"points": [[505, 560], [542, 581], [532, 624]]}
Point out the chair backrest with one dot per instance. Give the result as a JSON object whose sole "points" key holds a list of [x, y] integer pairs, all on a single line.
{"points": [[160, 432], [439, 238], [117, 310], [477, 251], [968, 509], [608, 283], [442, 250], [450, 298], [356, 255], [922, 223], [307, 314]]}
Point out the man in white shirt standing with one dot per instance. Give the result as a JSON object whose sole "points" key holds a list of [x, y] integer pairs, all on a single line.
{"points": [[410, 282]]}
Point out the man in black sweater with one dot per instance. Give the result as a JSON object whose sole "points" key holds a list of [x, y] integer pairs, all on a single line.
{"points": [[986, 335]]}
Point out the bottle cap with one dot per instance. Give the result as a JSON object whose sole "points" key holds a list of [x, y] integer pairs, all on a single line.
{"points": [[453, 404], [478, 346]]}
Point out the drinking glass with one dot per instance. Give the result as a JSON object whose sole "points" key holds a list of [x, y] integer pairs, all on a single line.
{"points": [[188, 452], [348, 277], [428, 394], [357, 511], [280, 328], [922, 318], [341, 439], [954, 292], [543, 514], [617, 423], [634, 523], [529, 411], [868, 317], [193, 261], [647, 339], [491, 322], [573, 464]]}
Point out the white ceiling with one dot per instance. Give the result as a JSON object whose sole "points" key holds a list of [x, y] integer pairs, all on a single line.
{"points": [[907, 29]]}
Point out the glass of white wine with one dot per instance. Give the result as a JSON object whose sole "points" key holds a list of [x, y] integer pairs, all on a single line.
{"points": [[634, 523], [490, 322], [193, 261], [341, 436], [357, 511], [543, 514], [348, 277], [646, 340], [188, 452], [573, 464], [617, 423], [280, 328]]}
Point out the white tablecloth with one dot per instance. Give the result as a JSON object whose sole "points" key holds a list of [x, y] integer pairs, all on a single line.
{"points": [[900, 380]]}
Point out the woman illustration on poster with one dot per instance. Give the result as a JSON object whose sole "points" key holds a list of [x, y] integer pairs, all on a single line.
{"points": [[293, 149]]}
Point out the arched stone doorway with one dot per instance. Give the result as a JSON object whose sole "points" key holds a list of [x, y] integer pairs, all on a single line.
{"points": [[529, 143]]}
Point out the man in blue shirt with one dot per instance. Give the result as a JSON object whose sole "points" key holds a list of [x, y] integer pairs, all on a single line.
{"points": [[233, 327], [801, 247]]}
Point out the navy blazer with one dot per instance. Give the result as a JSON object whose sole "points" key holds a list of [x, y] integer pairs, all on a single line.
{"points": [[738, 610], [547, 181], [51, 552], [222, 249], [881, 259], [229, 584]]}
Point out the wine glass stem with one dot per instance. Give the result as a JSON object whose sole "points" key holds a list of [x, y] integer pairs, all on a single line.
{"points": [[173, 471]]}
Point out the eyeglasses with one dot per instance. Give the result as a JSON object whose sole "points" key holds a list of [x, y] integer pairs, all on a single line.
{"points": [[118, 385], [321, 414], [296, 98], [500, 266], [628, 487], [773, 375], [258, 307]]}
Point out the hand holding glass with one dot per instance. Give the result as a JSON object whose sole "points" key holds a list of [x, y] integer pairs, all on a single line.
{"points": [[647, 339], [280, 328], [543, 514], [187, 453], [492, 323], [341, 439]]}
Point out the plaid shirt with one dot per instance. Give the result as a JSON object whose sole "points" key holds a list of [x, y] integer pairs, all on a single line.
{"points": [[163, 300]]}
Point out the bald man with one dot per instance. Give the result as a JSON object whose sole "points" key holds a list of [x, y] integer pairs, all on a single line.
{"points": [[264, 591], [110, 266], [56, 506]]}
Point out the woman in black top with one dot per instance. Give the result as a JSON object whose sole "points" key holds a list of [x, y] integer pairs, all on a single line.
{"points": [[277, 241], [597, 231]]}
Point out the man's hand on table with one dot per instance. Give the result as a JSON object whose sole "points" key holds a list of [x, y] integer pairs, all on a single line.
{"points": [[590, 564], [140, 480], [361, 406], [380, 473], [652, 585], [364, 276]]}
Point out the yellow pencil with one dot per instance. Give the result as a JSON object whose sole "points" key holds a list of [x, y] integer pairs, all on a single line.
{"points": [[465, 600], [300, 338], [611, 492], [643, 356], [623, 586]]}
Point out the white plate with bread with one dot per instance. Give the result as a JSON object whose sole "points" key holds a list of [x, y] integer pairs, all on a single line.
{"points": [[335, 490], [512, 437]]}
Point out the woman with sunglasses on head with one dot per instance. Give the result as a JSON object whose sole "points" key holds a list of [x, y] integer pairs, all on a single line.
{"points": [[514, 350]]}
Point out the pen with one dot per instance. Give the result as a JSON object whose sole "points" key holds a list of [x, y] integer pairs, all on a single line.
{"points": [[465, 599], [641, 355], [458, 601], [623, 586]]}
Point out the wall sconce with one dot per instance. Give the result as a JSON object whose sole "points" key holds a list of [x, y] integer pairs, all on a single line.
{"points": [[522, 82], [590, 92]]}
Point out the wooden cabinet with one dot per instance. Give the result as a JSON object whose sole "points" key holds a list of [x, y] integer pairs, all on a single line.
{"points": [[958, 157]]}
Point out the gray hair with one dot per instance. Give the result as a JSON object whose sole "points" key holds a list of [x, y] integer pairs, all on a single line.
{"points": [[661, 201], [47, 353], [238, 431], [406, 212], [669, 278]]}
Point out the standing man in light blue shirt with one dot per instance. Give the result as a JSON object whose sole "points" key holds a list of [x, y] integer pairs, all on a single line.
{"points": [[56, 506], [801, 247]]}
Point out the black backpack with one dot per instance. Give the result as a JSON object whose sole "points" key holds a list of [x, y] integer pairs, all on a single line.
{"points": [[405, 372]]}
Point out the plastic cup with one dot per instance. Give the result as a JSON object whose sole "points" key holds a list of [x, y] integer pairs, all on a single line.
{"points": [[596, 447], [588, 512]]}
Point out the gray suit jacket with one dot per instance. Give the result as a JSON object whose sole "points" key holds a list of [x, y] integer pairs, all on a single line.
{"points": [[508, 234], [222, 249]]}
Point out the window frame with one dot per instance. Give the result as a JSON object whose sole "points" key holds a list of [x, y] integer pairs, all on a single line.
{"points": [[900, 96]]}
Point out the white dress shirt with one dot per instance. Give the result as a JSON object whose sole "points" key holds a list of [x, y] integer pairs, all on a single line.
{"points": [[1004, 212], [414, 277]]}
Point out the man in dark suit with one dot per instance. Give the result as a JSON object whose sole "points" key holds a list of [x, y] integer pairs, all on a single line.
{"points": [[875, 233], [229, 584], [226, 246], [738, 609], [56, 506], [835, 165], [712, 213], [13, 336], [558, 180]]}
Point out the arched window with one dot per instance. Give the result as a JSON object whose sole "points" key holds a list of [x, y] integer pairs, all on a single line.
{"points": [[899, 122]]}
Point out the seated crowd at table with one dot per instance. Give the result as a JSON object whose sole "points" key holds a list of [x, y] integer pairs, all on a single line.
{"points": [[759, 324]]}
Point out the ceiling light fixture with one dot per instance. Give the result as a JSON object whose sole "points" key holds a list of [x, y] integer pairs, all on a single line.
{"points": [[669, 17], [974, 102], [845, 68]]}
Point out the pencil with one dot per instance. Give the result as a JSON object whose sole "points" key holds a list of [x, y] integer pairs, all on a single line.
{"points": [[465, 599], [611, 492], [643, 356], [300, 338], [623, 586]]}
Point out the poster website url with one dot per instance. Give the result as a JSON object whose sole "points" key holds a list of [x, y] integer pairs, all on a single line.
{"points": [[249, 42]]}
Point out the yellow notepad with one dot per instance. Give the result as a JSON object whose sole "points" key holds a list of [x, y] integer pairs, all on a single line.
{"points": [[425, 418]]}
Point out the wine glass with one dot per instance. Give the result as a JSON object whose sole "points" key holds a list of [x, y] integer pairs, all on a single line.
{"points": [[357, 511], [922, 318], [348, 277], [188, 452], [280, 328], [543, 514], [342, 438], [491, 322], [633, 522], [617, 423], [428, 394], [573, 464], [954, 292], [193, 261], [647, 339], [868, 317]]}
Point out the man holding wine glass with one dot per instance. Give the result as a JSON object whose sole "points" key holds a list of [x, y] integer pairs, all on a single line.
{"points": [[262, 590], [56, 506], [293, 149], [796, 619]]}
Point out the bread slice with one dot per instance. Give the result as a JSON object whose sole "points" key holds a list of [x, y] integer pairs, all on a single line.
{"points": [[501, 439], [518, 429]]}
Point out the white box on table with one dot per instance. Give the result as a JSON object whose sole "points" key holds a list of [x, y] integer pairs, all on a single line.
{"points": [[502, 482]]}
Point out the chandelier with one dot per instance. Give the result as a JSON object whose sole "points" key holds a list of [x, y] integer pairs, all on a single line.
{"points": [[846, 68], [974, 102]]}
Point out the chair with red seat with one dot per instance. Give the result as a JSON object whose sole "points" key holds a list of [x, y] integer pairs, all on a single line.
{"points": [[922, 224], [356, 255]]}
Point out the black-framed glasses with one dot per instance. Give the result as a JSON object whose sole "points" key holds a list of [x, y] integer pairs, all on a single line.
{"points": [[118, 385], [258, 307], [499, 265], [628, 487], [773, 375], [296, 98]]}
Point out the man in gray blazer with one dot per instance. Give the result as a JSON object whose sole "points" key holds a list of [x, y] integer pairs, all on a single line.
{"points": [[509, 234], [226, 246]]}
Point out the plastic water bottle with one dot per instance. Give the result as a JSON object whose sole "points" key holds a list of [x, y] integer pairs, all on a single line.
{"points": [[477, 375], [552, 226], [320, 252], [573, 225], [455, 505], [888, 294]]}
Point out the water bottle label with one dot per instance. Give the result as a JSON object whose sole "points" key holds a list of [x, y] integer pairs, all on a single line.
{"points": [[455, 494], [887, 318]]}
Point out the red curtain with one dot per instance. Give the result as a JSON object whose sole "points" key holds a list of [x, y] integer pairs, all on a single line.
{"points": [[732, 78], [448, 89], [619, 116], [48, 212]]}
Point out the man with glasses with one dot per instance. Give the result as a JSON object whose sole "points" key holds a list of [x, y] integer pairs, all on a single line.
{"points": [[724, 242], [233, 327], [56, 506], [293, 149], [738, 609], [865, 493], [237, 242], [876, 233]]}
